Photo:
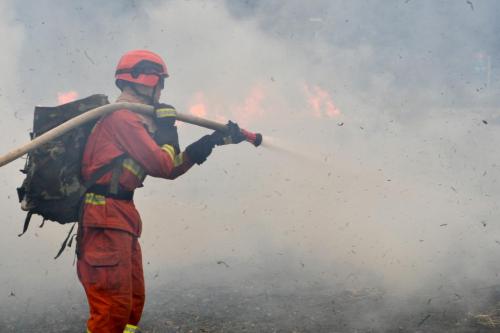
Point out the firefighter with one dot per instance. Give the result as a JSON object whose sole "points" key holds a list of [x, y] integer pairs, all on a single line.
{"points": [[109, 262]]}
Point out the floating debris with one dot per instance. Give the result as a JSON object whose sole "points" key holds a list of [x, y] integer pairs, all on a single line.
{"points": [[88, 57], [470, 4], [423, 320], [220, 262]]}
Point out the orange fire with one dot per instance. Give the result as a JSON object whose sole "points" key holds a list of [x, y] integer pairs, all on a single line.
{"points": [[321, 102], [198, 110], [66, 97], [198, 107], [252, 106], [243, 112]]}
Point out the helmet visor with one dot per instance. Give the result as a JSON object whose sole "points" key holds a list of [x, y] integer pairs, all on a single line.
{"points": [[145, 67]]}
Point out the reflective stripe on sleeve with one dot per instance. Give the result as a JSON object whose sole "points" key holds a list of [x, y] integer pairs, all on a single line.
{"points": [[170, 150], [178, 159], [95, 199], [166, 112]]}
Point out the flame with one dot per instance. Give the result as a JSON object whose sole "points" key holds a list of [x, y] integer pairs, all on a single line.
{"points": [[321, 102], [252, 106], [198, 110], [66, 97], [198, 107], [243, 112]]}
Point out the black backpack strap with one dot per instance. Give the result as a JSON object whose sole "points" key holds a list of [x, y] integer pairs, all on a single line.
{"points": [[26, 223], [63, 246], [116, 163], [114, 184]]}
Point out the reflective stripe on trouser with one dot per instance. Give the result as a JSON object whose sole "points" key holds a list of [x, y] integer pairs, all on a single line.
{"points": [[95, 199], [131, 329], [128, 329], [110, 270]]}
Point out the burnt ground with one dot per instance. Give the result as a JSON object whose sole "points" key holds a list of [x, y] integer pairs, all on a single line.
{"points": [[220, 309]]}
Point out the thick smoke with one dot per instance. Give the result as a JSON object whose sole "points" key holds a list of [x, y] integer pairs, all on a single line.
{"points": [[395, 190]]}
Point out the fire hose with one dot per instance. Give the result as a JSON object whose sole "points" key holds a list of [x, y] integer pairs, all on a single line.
{"points": [[253, 138]]}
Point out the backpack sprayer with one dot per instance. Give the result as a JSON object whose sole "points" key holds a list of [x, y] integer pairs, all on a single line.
{"points": [[253, 138]]}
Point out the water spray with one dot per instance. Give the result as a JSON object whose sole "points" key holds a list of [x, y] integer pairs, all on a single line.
{"points": [[294, 151], [253, 138]]}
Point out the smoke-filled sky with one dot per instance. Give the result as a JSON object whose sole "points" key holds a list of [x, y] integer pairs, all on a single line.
{"points": [[386, 110]]}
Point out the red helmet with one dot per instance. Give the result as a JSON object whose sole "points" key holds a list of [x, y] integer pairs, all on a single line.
{"points": [[142, 67]]}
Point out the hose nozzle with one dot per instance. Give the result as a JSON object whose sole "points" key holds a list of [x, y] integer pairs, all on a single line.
{"points": [[253, 138]]}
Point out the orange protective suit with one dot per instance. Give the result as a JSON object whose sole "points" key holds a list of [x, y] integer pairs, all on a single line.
{"points": [[109, 255]]}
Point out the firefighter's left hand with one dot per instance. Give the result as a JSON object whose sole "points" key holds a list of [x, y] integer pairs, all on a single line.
{"points": [[232, 136], [164, 115]]}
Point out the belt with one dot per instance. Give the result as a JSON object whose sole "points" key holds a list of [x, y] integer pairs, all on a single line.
{"points": [[104, 190]]}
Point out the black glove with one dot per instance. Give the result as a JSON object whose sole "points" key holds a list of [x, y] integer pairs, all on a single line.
{"points": [[198, 151], [167, 135], [164, 115], [232, 136]]}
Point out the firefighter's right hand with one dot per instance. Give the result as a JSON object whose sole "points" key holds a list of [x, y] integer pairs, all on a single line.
{"points": [[164, 115], [232, 136]]}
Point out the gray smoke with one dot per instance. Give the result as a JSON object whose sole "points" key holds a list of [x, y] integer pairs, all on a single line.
{"points": [[398, 192]]}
